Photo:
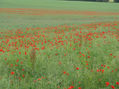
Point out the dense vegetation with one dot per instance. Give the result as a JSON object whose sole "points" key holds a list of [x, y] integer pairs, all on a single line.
{"points": [[50, 44]]}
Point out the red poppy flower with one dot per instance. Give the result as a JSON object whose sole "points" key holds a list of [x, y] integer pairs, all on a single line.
{"points": [[17, 60], [104, 65], [71, 87], [117, 83], [60, 63], [110, 54], [19, 53], [102, 70], [107, 83], [79, 88], [98, 70], [108, 67], [43, 47], [77, 68], [112, 87], [67, 73], [12, 73], [25, 53], [74, 48], [1, 50], [39, 79], [88, 56], [64, 72], [23, 76]]}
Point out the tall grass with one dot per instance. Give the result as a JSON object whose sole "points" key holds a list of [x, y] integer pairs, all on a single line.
{"points": [[65, 57]]}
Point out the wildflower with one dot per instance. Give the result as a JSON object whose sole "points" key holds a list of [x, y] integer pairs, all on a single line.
{"points": [[11, 65], [77, 68], [43, 47], [110, 54], [23, 76], [39, 79], [112, 87], [102, 70], [98, 70], [19, 53], [71, 87], [17, 60], [56, 54], [117, 83], [64, 72], [25, 53], [60, 63], [104, 65], [83, 55], [79, 88], [107, 83], [12, 73], [16, 65], [88, 56], [1, 50], [103, 32], [64, 54], [21, 62], [108, 67], [67, 73]]}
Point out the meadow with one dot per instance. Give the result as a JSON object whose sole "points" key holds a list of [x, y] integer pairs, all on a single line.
{"points": [[59, 44]]}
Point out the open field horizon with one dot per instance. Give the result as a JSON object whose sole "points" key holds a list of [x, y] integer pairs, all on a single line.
{"points": [[60, 5]]}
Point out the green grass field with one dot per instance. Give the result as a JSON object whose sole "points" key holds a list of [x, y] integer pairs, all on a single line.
{"points": [[59, 51], [60, 4], [8, 20]]}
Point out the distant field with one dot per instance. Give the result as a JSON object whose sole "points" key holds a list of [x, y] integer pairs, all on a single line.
{"points": [[60, 4], [12, 20]]}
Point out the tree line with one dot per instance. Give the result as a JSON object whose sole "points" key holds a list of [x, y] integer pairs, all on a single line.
{"points": [[97, 0]]}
